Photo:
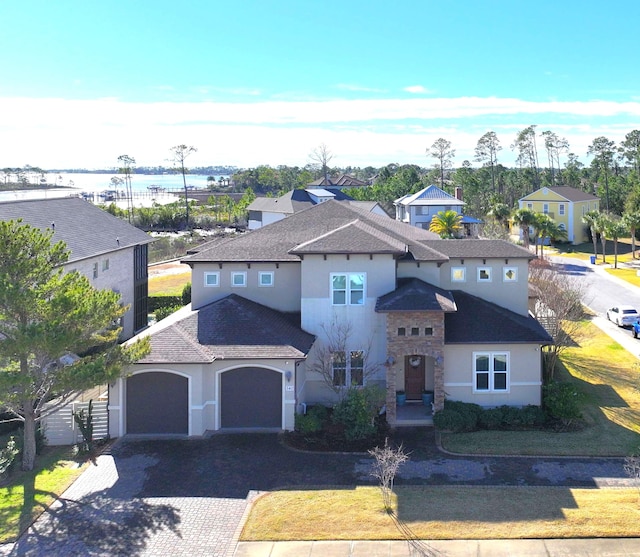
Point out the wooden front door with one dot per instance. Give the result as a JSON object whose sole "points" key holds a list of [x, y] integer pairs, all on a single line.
{"points": [[414, 377]]}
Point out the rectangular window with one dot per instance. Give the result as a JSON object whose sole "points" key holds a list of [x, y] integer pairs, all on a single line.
{"points": [[491, 371], [105, 264], [356, 368], [402, 331], [212, 279], [529, 205], [239, 279], [347, 289], [484, 274], [545, 208], [265, 278], [415, 331], [339, 368], [95, 270], [561, 209], [428, 331], [458, 274], [509, 274]]}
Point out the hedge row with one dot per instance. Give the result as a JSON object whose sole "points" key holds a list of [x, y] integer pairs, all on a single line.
{"points": [[463, 416], [156, 302]]}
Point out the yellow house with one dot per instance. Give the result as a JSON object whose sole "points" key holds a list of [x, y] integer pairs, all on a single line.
{"points": [[566, 206]]}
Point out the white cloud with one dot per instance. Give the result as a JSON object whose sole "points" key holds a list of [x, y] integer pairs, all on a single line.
{"points": [[416, 89], [92, 133]]}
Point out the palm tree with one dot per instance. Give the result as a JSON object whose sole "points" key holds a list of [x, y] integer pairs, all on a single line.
{"points": [[524, 218], [500, 212], [546, 227], [590, 218], [615, 229], [632, 221], [446, 223], [602, 221]]}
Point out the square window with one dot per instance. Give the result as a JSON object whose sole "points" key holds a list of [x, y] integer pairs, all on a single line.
{"points": [[510, 274], [415, 331], [265, 279], [212, 279], [458, 274], [491, 371], [402, 331], [239, 279], [484, 274], [428, 331], [348, 289]]}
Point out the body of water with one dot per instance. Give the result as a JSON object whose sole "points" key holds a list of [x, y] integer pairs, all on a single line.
{"points": [[93, 184]]}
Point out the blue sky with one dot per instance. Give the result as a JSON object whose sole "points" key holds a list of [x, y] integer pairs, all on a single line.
{"points": [[266, 82]]}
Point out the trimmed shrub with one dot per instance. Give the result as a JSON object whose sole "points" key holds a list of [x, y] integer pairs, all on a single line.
{"points": [[163, 312], [449, 420], [186, 294], [313, 421], [491, 418], [562, 402], [357, 412]]}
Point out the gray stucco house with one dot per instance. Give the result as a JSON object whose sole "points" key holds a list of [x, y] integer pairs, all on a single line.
{"points": [[419, 312]]}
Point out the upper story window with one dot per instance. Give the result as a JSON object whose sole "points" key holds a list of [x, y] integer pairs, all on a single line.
{"points": [[484, 274], [561, 209], [509, 274], [95, 270], [529, 205], [105, 264], [415, 331], [458, 274], [545, 208], [265, 278], [239, 279], [212, 279], [402, 331], [491, 371], [347, 289]]}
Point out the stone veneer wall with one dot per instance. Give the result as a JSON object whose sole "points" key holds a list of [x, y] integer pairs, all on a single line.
{"points": [[400, 346]]}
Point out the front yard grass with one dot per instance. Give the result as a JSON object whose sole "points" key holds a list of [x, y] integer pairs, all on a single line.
{"points": [[26, 495], [445, 512], [609, 377]]}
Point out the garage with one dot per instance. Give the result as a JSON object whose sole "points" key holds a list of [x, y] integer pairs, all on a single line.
{"points": [[157, 403], [251, 397]]}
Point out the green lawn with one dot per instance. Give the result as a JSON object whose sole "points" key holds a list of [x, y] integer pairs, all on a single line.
{"points": [[27, 494]]}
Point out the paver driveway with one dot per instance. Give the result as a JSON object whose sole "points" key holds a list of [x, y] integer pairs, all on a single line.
{"points": [[187, 497]]}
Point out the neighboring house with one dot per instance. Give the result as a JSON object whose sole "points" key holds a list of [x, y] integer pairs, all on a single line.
{"points": [[342, 182], [566, 206], [266, 210], [417, 209], [419, 312], [106, 249]]}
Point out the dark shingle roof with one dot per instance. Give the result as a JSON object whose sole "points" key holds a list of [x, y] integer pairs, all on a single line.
{"points": [[479, 321], [292, 201], [231, 328], [86, 229], [414, 294], [470, 247], [278, 241]]}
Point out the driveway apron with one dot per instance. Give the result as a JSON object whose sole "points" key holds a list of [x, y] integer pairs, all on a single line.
{"points": [[188, 497]]}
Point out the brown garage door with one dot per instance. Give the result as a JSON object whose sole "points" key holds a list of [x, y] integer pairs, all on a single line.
{"points": [[157, 402], [251, 397]]}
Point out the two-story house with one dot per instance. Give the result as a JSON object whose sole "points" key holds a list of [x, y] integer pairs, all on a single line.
{"points": [[566, 206], [417, 209], [395, 305], [107, 250]]}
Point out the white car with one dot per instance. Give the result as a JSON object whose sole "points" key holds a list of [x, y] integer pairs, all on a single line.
{"points": [[623, 316]]}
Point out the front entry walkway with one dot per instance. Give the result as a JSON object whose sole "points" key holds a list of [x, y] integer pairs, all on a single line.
{"points": [[414, 414]]}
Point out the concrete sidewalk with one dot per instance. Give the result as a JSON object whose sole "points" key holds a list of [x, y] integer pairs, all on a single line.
{"points": [[450, 548]]}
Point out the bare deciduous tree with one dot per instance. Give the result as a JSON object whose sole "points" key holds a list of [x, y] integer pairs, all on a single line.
{"points": [[321, 157], [387, 463], [558, 308], [180, 153]]}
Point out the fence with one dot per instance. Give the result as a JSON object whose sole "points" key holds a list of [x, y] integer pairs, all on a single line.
{"points": [[61, 429]]}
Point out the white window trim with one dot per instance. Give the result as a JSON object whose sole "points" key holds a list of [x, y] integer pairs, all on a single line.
{"points": [[242, 274], [105, 264], [561, 210], [348, 369], [347, 289], [208, 274], [464, 274], [265, 274], [505, 270], [490, 272], [491, 372]]}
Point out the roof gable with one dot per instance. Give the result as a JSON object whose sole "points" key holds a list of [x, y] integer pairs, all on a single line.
{"points": [[413, 294], [431, 195], [560, 193]]}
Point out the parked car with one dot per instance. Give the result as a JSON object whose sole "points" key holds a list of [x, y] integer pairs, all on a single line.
{"points": [[623, 316], [635, 328]]}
